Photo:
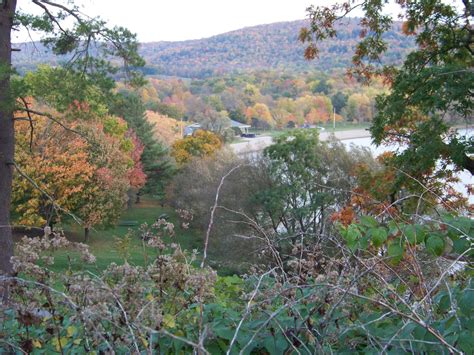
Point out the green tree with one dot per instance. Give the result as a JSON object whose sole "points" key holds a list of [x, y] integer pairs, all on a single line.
{"points": [[358, 108], [234, 105], [437, 78], [155, 158], [167, 110], [322, 87], [339, 101], [309, 181], [67, 32]]}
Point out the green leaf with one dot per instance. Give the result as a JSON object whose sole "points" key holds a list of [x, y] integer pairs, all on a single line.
{"points": [[363, 243], [395, 251], [466, 342], [393, 228], [224, 332], [461, 245], [462, 225], [378, 236], [466, 303], [352, 236], [276, 344], [408, 329], [169, 321], [71, 330], [419, 332], [368, 221], [413, 233], [444, 303], [435, 244], [469, 324], [60, 344]]}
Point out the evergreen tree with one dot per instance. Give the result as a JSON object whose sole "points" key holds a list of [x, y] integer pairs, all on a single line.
{"points": [[339, 101], [155, 159]]}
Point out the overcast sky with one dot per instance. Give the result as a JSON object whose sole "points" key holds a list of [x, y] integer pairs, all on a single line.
{"points": [[174, 20]]}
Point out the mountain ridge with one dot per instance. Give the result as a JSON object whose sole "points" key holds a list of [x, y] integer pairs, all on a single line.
{"points": [[267, 46]]}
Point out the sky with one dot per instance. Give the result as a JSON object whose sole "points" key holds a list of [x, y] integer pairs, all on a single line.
{"points": [[175, 20]]}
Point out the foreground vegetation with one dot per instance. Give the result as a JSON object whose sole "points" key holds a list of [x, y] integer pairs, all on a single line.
{"points": [[357, 299]]}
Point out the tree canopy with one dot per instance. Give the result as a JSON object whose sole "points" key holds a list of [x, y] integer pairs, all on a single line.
{"points": [[85, 81], [201, 143], [436, 79]]}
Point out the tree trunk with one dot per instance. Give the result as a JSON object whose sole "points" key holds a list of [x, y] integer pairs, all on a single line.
{"points": [[7, 138], [51, 224], [86, 234], [130, 199]]}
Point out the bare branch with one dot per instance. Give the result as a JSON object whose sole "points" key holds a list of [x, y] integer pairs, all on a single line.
{"points": [[49, 116], [213, 210]]}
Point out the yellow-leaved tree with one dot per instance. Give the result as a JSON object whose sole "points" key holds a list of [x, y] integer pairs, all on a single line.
{"points": [[259, 115], [200, 144]]}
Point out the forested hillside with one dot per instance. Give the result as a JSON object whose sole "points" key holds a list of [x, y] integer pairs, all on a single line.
{"points": [[272, 46]]}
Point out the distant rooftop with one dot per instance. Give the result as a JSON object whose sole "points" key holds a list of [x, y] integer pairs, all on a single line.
{"points": [[238, 124]]}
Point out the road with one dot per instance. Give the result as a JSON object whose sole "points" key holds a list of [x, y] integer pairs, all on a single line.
{"points": [[255, 145]]}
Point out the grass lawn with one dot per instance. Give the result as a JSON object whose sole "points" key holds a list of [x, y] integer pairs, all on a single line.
{"points": [[103, 242], [344, 126], [340, 126]]}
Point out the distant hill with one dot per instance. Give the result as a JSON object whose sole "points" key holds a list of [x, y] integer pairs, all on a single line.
{"points": [[272, 46]]}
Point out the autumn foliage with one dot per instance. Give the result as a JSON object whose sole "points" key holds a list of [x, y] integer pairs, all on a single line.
{"points": [[201, 143], [81, 169], [167, 129], [58, 163]]}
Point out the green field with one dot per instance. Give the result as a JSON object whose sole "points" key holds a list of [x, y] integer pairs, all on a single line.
{"points": [[345, 126], [340, 126], [103, 242]]}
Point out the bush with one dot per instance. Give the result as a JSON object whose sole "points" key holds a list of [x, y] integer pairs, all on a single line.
{"points": [[353, 301]]}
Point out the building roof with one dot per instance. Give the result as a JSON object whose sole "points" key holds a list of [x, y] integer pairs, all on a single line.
{"points": [[194, 125], [238, 124]]}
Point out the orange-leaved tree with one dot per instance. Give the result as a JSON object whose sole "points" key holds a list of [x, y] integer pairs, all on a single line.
{"points": [[259, 115], [56, 164], [83, 172], [136, 175]]}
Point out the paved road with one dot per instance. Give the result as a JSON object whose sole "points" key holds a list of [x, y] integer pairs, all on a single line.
{"points": [[254, 145]]}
